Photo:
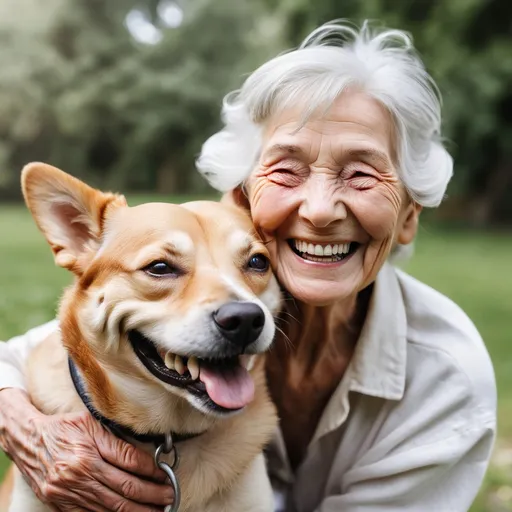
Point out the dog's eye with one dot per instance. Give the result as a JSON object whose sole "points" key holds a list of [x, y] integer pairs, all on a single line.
{"points": [[259, 262], [160, 269]]}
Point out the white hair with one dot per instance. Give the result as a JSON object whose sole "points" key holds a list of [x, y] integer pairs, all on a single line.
{"points": [[382, 63]]}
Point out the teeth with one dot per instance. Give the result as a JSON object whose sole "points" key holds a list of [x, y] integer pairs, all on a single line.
{"points": [[176, 363], [321, 250], [193, 367], [169, 360], [247, 361], [179, 365]]}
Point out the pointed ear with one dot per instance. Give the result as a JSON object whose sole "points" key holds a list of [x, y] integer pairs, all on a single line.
{"points": [[238, 197], [68, 212], [409, 223]]}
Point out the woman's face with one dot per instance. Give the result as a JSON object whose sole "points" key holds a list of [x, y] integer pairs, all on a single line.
{"points": [[328, 200]]}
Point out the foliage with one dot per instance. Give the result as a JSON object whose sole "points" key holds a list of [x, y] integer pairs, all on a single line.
{"points": [[79, 91]]}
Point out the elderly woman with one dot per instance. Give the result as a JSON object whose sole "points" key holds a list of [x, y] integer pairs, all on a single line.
{"points": [[385, 391]]}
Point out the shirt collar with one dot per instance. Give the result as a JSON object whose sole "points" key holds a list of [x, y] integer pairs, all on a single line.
{"points": [[378, 365]]}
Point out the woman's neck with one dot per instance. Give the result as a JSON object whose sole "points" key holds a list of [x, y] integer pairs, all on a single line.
{"points": [[308, 361], [316, 336]]}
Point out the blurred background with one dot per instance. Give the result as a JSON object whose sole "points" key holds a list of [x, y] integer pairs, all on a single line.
{"points": [[123, 93]]}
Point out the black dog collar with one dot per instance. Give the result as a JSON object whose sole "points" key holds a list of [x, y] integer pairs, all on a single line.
{"points": [[119, 430]]}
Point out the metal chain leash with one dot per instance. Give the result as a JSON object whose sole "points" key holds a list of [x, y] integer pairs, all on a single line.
{"points": [[166, 448]]}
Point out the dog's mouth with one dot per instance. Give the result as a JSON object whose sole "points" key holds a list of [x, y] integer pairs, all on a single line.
{"points": [[222, 384]]}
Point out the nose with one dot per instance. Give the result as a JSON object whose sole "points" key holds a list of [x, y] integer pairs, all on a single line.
{"points": [[320, 205], [240, 322]]}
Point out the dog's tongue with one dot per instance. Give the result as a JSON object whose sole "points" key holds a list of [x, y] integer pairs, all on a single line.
{"points": [[231, 388]]}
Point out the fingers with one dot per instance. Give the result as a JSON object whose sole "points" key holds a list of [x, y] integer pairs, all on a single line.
{"points": [[115, 502], [104, 499], [93, 498], [72, 463], [127, 457], [134, 488], [60, 499]]}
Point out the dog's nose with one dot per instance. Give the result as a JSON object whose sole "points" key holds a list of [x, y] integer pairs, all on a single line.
{"points": [[240, 322]]}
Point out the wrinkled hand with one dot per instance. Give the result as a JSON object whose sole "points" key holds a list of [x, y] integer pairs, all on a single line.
{"points": [[72, 463]]}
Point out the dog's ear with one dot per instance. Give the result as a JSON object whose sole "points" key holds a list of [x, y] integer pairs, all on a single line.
{"points": [[237, 197], [68, 212]]}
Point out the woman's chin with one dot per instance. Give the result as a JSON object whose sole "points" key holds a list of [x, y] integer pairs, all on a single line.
{"points": [[318, 292], [318, 284]]}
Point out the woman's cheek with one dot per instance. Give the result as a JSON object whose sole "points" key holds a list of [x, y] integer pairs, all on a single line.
{"points": [[270, 205], [378, 212]]}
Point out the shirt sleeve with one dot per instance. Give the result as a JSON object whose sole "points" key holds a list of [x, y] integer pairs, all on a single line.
{"points": [[14, 354], [444, 475]]}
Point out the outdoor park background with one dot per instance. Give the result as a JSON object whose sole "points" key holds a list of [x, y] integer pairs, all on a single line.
{"points": [[123, 93]]}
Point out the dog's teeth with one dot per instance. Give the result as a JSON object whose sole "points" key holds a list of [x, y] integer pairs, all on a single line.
{"points": [[179, 365], [169, 360], [247, 361], [193, 367]]}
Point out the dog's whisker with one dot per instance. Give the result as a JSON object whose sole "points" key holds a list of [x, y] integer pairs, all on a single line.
{"points": [[286, 339], [290, 315]]}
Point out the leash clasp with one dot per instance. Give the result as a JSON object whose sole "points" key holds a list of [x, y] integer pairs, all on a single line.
{"points": [[166, 448]]}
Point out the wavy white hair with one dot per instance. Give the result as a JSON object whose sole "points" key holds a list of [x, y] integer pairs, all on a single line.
{"points": [[382, 63]]}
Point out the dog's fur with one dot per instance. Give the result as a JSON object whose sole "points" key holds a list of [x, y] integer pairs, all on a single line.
{"points": [[106, 244]]}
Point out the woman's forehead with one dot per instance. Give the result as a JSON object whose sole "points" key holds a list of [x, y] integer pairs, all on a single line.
{"points": [[354, 123]]}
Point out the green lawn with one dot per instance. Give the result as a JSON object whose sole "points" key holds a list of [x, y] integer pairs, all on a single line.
{"points": [[473, 269]]}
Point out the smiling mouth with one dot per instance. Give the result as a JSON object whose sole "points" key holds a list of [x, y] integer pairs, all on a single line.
{"points": [[327, 253], [222, 384]]}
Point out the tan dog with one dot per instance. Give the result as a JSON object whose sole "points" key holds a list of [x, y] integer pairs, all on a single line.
{"points": [[160, 332]]}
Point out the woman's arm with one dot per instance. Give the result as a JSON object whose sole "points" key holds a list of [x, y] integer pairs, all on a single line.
{"points": [[14, 354], [70, 460]]}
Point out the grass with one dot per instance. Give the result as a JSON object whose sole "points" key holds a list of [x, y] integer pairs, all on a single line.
{"points": [[471, 268]]}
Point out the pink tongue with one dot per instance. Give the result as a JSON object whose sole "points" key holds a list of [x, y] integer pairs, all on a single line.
{"points": [[231, 388]]}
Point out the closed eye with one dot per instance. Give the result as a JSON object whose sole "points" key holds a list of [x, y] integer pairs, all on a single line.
{"points": [[285, 177], [362, 181]]}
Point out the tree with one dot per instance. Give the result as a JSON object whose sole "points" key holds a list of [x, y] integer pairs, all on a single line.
{"points": [[89, 98], [78, 90]]}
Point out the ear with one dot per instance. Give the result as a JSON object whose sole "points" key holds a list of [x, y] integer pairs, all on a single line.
{"points": [[409, 221], [237, 197], [68, 212]]}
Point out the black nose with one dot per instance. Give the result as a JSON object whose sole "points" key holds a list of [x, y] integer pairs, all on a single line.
{"points": [[240, 322]]}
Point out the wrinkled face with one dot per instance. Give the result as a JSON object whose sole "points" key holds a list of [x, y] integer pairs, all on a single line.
{"points": [[182, 296], [328, 199]]}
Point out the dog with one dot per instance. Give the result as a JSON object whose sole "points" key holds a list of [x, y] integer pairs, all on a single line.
{"points": [[163, 331]]}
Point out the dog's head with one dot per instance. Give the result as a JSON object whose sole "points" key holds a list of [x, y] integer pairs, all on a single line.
{"points": [[175, 297]]}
